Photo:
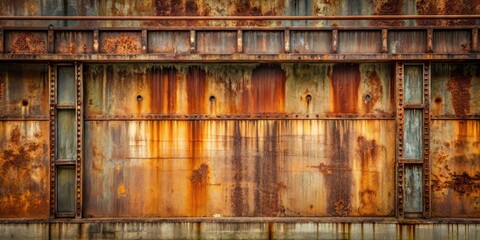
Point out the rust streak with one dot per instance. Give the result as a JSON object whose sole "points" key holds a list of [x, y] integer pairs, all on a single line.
{"points": [[459, 86], [345, 80]]}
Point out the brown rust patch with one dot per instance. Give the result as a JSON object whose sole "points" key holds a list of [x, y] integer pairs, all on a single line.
{"points": [[374, 84], [27, 42], [459, 86], [447, 7], [121, 44], [191, 8], [200, 175], [266, 180], [196, 90], [463, 184], [345, 80], [339, 183], [388, 7], [2, 89], [163, 89], [367, 151], [325, 169], [266, 93], [23, 178], [238, 206]]}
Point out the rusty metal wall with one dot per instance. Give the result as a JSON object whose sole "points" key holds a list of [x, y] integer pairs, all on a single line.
{"points": [[455, 140], [239, 167], [24, 141]]}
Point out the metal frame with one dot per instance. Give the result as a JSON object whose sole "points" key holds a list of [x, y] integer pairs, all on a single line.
{"points": [[79, 138], [426, 141], [400, 168], [52, 72]]}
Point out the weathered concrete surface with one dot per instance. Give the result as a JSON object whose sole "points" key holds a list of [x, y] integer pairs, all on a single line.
{"points": [[212, 229]]}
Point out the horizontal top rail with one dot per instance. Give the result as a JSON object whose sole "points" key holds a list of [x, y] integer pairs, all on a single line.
{"points": [[228, 18]]}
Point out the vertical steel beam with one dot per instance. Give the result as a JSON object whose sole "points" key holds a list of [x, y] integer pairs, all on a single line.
{"points": [[95, 41], [426, 141], [193, 41], [144, 41], [239, 41], [334, 41], [52, 80], [50, 40], [400, 130], [384, 40], [79, 138], [475, 40], [2, 44], [430, 40], [287, 41]]}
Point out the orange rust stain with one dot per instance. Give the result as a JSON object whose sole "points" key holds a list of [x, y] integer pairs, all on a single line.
{"points": [[375, 85], [265, 176], [200, 170], [449, 7], [367, 151], [23, 178], [121, 44], [345, 80], [339, 183], [459, 86], [238, 206], [191, 8], [196, 88], [28, 42], [267, 91], [163, 90], [388, 7]]}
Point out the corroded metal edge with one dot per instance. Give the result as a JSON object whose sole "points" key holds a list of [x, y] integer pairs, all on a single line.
{"points": [[272, 116], [426, 141], [257, 58], [79, 138], [399, 75], [52, 69], [389, 220]]}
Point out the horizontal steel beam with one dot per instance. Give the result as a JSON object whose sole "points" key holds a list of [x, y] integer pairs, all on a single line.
{"points": [[238, 117], [170, 57], [229, 18]]}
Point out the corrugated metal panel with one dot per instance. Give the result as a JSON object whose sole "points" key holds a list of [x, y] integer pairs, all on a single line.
{"points": [[73, 42], [219, 42], [311, 41], [455, 152], [239, 168], [168, 41], [23, 169], [359, 41], [407, 41], [263, 42], [452, 41]]}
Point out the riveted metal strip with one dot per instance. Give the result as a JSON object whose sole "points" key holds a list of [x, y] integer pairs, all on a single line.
{"points": [[400, 131], [426, 141], [79, 138], [52, 79]]}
